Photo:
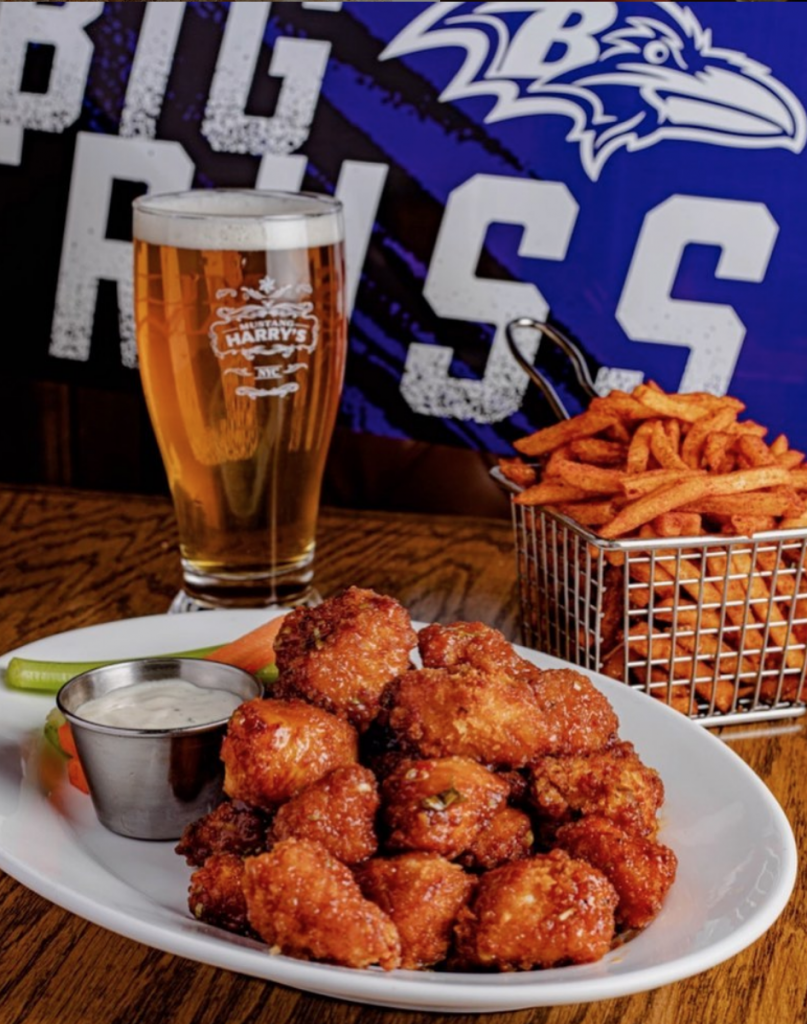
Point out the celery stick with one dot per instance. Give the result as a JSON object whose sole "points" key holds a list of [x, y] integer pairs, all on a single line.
{"points": [[49, 676]]}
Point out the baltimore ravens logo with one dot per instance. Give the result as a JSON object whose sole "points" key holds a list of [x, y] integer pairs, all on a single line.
{"points": [[625, 81]]}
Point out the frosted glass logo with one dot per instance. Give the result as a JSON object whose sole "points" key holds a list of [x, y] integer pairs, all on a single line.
{"points": [[270, 334], [625, 81]]}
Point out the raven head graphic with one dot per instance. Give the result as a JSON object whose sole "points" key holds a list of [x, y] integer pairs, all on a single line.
{"points": [[626, 81]]}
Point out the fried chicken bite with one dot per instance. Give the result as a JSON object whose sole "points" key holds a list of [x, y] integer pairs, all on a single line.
{"points": [[338, 811], [542, 912], [228, 828], [465, 711], [341, 654], [640, 869], [440, 805], [305, 903], [275, 748], [216, 896], [613, 783], [423, 894], [581, 720], [507, 837], [471, 643]]}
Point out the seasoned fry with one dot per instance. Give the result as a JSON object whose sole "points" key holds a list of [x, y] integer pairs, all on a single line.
{"points": [[645, 509], [655, 479], [662, 449], [602, 453], [590, 478], [518, 472], [726, 621], [543, 441], [700, 432], [550, 493], [638, 457], [589, 513]]}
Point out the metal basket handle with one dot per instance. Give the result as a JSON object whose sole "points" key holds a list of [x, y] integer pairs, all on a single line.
{"points": [[569, 349]]}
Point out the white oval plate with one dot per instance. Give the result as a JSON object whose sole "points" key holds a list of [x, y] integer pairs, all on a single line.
{"points": [[736, 852]]}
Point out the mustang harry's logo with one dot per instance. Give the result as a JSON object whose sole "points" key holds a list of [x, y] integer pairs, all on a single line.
{"points": [[626, 82]]}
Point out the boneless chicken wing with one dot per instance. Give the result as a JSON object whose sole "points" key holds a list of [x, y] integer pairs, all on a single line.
{"points": [[468, 712], [423, 894], [542, 912], [507, 837], [613, 783], [580, 718], [471, 643], [228, 828], [305, 903], [338, 811], [216, 894], [440, 805], [275, 748], [341, 654], [640, 869]]}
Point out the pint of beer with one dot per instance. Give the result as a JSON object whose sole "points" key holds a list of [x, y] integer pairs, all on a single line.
{"points": [[241, 333]]}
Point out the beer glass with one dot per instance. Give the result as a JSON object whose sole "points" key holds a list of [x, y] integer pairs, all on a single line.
{"points": [[241, 324]]}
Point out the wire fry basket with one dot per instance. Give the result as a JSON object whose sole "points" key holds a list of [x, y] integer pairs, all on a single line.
{"points": [[714, 626]]}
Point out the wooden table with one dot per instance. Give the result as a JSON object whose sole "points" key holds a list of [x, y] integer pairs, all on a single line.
{"points": [[70, 559]]}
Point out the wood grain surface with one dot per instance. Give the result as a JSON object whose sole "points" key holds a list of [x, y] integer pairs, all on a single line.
{"points": [[70, 559]]}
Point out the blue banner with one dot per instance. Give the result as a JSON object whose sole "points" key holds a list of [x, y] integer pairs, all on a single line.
{"points": [[632, 172]]}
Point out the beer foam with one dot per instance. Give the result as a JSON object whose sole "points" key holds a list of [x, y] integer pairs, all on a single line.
{"points": [[249, 221]]}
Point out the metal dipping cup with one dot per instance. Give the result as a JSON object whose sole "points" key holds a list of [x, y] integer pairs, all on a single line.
{"points": [[151, 783]]}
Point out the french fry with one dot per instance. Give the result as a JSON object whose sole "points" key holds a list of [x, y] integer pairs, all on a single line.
{"points": [[602, 453], [717, 623], [754, 450], [677, 524], [549, 492], [662, 449], [717, 455], [790, 459], [589, 513], [748, 525], [643, 510], [760, 503], [593, 479], [641, 484], [621, 406], [715, 423], [518, 472], [585, 425], [638, 456]]}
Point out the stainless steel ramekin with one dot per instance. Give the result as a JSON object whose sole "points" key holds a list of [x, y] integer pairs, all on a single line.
{"points": [[151, 783]]}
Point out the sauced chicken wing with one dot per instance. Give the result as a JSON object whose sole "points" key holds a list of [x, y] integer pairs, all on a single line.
{"points": [[613, 783], [578, 717], [440, 805], [581, 720], [216, 895], [275, 748], [228, 828], [341, 654], [465, 711], [422, 893], [338, 811], [471, 643], [542, 912], [640, 869], [509, 836], [305, 903]]}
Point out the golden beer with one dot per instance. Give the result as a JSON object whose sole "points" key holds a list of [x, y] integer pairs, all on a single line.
{"points": [[241, 335]]}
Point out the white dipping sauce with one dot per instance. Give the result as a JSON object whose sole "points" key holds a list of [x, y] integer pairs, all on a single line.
{"points": [[164, 704]]}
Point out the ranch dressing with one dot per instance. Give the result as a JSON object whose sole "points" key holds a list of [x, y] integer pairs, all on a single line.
{"points": [[169, 703]]}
